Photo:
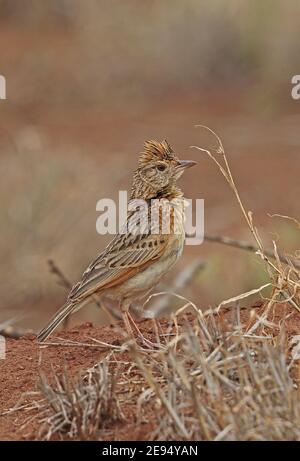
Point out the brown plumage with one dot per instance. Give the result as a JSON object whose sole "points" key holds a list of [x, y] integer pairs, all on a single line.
{"points": [[136, 259]]}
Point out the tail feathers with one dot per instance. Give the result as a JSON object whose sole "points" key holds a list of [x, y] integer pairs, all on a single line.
{"points": [[63, 312]]}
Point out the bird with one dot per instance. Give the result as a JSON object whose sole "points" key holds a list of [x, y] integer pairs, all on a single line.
{"points": [[148, 245]]}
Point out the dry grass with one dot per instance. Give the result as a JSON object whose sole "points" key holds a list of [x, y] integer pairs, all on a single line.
{"points": [[81, 408], [207, 379], [219, 384], [284, 272]]}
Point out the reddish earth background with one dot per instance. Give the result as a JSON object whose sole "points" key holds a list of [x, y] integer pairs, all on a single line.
{"points": [[25, 359]]}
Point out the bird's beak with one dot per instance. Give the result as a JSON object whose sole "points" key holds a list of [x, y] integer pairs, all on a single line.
{"points": [[184, 164]]}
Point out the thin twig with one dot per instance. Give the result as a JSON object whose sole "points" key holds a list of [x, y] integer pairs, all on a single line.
{"points": [[62, 281], [279, 276], [241, 244]]}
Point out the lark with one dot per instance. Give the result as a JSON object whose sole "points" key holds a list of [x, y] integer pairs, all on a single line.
{"points": [[148, 246]]}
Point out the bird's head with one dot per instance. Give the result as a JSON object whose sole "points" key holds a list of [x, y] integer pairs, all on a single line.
{"points": [[158, 170]]}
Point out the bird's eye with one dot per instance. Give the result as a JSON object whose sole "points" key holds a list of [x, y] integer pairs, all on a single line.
{"points": [[161, 167]]}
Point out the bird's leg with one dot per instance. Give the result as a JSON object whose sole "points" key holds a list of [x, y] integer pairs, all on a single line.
{"points": [[144, 340], [128, 320], [125, 314]]}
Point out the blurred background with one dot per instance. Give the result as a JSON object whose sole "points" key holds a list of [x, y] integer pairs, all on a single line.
{"points": [[89, 82]]}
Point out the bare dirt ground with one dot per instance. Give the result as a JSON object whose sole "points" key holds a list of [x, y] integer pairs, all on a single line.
{"points": [[25, 359]]}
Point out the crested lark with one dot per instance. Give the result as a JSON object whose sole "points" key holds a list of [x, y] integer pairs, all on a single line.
{"points": [[152, 240]]}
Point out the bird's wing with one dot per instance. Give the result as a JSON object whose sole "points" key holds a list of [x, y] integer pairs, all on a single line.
{"points": [[128, 253]]}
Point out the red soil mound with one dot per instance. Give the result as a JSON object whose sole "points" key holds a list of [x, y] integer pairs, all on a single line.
{"points": [[24, 359]]}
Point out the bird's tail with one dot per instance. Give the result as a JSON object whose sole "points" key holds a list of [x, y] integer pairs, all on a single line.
{"points": [[63, 312]]}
